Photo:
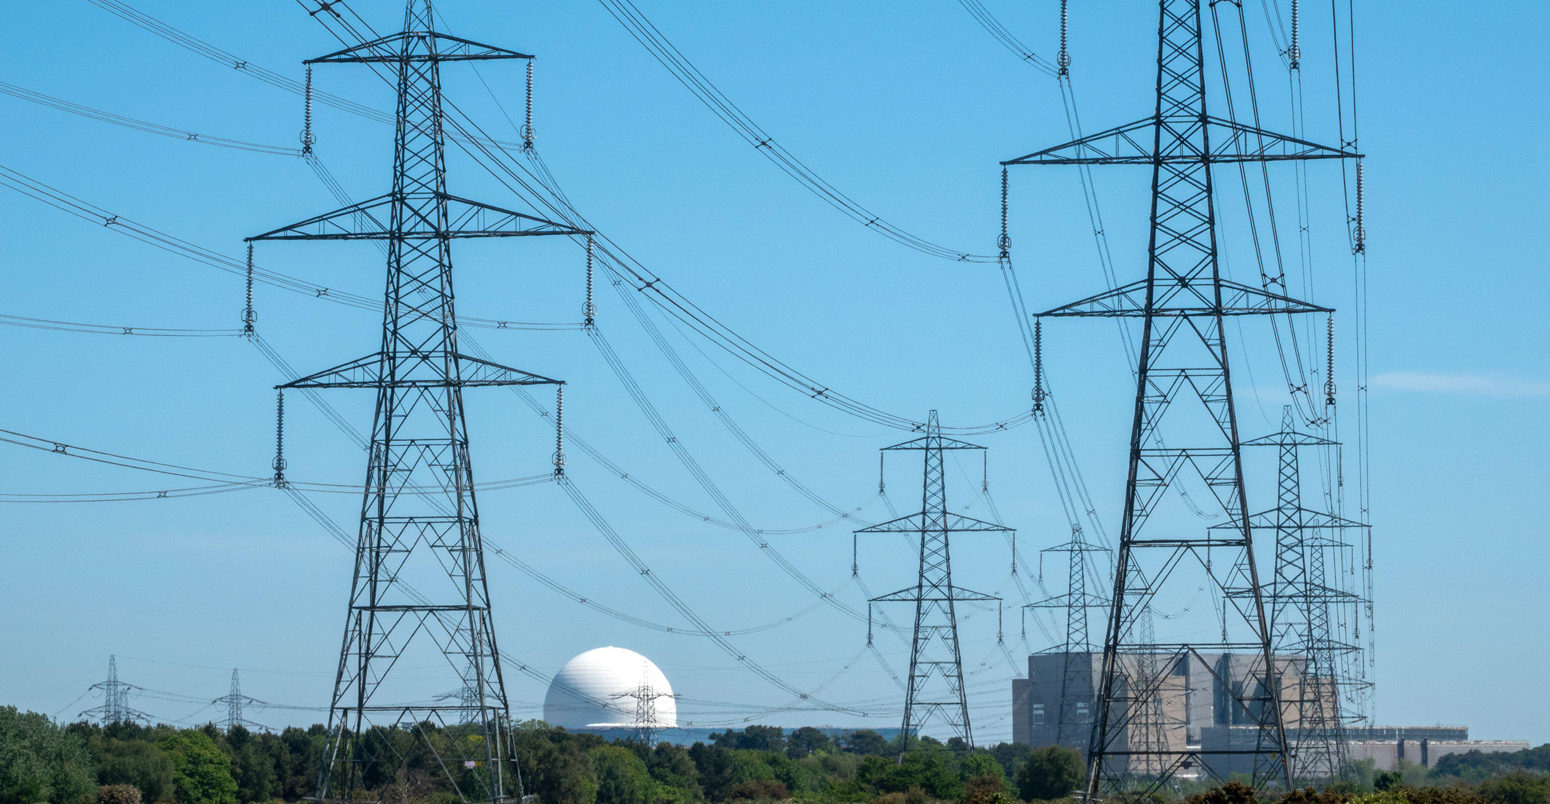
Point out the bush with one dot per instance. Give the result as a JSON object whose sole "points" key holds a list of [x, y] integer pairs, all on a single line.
{"points": [[1517, 788], [118, 794], [758, 790], [1051, 772]]}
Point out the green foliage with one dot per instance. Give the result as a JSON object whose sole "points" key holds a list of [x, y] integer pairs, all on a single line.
{"points": [[1050, 772], [140, 764], [201, 773], [41, 762], [808, 740], [622, 777], [1517, 787], [1230, 793], [758, 790], [866, 741], [118, 794]]}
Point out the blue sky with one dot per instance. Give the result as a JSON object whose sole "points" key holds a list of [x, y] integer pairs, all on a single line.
{"points": [[908, 107]]}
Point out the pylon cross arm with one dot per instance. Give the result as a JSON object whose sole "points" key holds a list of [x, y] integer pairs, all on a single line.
{"points": [[417, 46], [367, 372], [1133, 143], [1182, 301], [370, 220]]}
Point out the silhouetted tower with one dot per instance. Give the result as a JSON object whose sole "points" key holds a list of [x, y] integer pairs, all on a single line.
{"points": [[115, 706], [1301, 602], [1183, 302], [419, 595], [935, 688]]}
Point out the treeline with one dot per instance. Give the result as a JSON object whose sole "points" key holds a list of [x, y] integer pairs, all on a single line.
{"points": [[84, 763]]}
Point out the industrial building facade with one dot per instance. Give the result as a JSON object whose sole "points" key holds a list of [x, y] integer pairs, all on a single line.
{"points": [[1204, 705]]}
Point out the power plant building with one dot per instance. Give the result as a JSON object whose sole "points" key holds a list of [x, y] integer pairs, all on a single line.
{"points": [[1196, 709]]}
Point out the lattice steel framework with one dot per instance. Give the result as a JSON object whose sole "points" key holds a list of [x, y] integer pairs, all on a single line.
{"points": [[234, 701], [1183, 302], [1075, 714], [115, 706], [419, 587], [1302, 600], [934, 690]]}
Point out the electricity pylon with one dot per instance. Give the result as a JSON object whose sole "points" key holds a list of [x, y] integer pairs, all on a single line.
{"points": [[645, 697], [234, 701], [1301, 601], [115, 706], [1183, 302], [935, 688], [1074, 717], [419, 588]]}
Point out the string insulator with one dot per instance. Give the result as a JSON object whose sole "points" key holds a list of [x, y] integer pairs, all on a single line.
{"points": [[589, 312], [999, 638], [559, 430], [248, 316], [527, 124], [307, 140], [1294, 51], [881, 489], [1038, 367], [1329, 362], [869, 625], [984, 473], [855, 568], [1064, 59], [1361, 209], [1004, 242], [279, 440]]}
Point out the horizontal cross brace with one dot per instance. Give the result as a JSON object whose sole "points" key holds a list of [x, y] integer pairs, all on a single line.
{"points": [[370, 220], [417, 46], [366, 372], [915, 523], [1182, 299], [1135, 143]]}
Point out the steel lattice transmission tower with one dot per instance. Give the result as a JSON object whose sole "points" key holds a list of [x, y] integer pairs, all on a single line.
{"points": [[234, 701], [935, 688], [1302, 600], [115, 706], [419, 588], [1183, 303], [1074, 718]]}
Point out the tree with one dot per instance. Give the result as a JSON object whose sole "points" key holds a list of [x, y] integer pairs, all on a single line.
{"points": [[41, 762], [201, 773], [1050, 772], [1517, 788], [807, 740], [866, 741], [138, 763], [622, 777], [1230, 793]]}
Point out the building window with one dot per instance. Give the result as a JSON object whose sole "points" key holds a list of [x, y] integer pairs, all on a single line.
{"points": [[1036, 714]]}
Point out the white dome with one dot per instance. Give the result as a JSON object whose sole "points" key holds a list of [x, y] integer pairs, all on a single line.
{"points": [[610, 688]]}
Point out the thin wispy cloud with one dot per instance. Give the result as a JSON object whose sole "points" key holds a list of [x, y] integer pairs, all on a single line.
{"points": [[1469, 384]]}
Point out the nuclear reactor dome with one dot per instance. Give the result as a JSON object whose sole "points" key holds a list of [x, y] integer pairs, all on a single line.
{"points": [[610, 688]]}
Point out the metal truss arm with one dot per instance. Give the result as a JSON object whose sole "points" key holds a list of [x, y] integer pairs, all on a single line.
{"points": [[1182, 299], [465, 218], [956, 594], [1231, 142], [955, 523], [417, 46], [366, 372]]}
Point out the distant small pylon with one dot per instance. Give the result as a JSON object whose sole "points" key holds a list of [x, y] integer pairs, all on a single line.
{"points": [[115, 700], [234, 702]]}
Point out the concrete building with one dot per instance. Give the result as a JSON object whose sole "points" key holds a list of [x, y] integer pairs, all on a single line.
{"points": [[1206, 705]]}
